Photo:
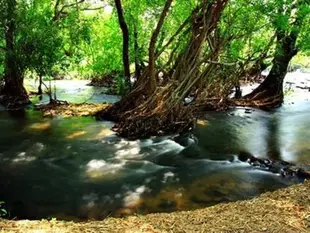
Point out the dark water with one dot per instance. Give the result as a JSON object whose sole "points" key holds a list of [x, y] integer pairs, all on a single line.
{"points": [[76, 169]]}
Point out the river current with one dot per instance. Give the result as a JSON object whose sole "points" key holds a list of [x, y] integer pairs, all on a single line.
{"points": [[76, 168]]}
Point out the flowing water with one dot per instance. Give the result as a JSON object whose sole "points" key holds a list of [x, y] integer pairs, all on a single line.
{"points": [[78, 169]]}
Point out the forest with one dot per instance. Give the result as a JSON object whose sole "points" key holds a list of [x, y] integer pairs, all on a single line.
{"points": [[168, 67], [168, 59]]}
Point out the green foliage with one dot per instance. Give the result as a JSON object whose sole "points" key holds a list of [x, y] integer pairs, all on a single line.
{"points": [[105, 49], [43, 44], [39, 42], [301, 60], [88, 43]]}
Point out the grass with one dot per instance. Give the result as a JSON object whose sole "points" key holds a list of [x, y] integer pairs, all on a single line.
{"points": [[284, 210]]}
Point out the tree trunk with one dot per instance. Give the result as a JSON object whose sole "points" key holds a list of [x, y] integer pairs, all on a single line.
{"points": [[13, 90], [152, 46], [125, 32], [40, 92]]}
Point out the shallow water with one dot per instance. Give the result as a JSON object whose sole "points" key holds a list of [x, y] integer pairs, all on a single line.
{"points": [[78, 169], [74, 91]]}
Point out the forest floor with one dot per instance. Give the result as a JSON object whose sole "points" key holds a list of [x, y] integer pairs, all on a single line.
{"points": [[284, 210], [70, 110]]}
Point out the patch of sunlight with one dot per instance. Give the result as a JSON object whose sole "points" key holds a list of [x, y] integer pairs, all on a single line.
{"points": [[123, 143], [41, 126], [76, 134], [167, 177], [133, 198], [132, 153], [102, 169], [105, 132], [202, 122], [22, 157], [108, 9]]}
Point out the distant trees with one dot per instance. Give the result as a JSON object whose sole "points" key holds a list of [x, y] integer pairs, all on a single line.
{"points": [[35, 39], [13, 73]]}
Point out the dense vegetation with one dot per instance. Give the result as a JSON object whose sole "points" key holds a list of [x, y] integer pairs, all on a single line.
{"points": [[185, 56]]}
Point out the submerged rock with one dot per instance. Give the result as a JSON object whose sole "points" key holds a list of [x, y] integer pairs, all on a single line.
{"points": [[285, 169]]}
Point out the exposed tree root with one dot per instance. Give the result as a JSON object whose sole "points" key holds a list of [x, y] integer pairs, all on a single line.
{"points": [[156, 124], [127, 103], [14, 102], [210, 104], [54, 102], [160, 114], [267, 102]]}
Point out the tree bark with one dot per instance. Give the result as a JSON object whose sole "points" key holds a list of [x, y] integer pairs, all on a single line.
{"points": [[125, 32]]}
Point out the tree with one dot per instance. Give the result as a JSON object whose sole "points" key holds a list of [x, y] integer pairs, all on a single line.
{"points": [[153, 107], [288, 20], [36, 36], [13, 90]]}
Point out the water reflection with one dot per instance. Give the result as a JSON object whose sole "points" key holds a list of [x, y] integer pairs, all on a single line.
{"points": [[273, 142]]}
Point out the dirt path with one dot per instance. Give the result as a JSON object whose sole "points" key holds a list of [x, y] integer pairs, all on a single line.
{"points": [[285, 210]]}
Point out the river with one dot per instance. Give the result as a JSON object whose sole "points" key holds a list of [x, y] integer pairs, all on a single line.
{"points": [[77, 169]]}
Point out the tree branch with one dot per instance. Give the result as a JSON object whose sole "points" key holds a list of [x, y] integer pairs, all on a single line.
{"points": [[93, 9], [57, 13], [173, 37], [70, 5], [221, 63], [153, 43]]}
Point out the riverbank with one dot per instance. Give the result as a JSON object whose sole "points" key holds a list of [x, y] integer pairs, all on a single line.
{"points": [[284, 210]]}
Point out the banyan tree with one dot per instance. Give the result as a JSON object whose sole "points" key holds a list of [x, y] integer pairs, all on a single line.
{"points": [[159, 102]]}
